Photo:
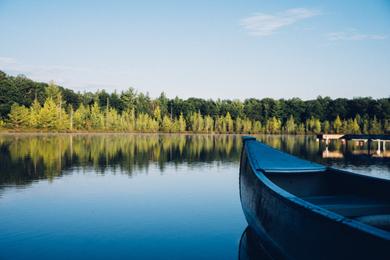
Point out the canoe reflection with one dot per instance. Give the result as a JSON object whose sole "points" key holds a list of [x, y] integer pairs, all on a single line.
{"points": [[251, 247]]}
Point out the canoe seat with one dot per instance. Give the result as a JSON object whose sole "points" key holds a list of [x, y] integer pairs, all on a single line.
{"points": [[351, 205], [379, 221]]}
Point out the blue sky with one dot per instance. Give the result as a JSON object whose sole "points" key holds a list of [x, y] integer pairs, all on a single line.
{"points": [[208, 49]]}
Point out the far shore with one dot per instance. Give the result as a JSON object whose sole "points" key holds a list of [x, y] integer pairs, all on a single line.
{"points": [[48, 132]]}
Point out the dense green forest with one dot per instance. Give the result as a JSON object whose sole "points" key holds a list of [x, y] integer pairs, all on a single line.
{"points": [[25, 104]]}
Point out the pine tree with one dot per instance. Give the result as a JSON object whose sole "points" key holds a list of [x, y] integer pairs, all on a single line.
{"points": [[208, 124], [229, 123], [220, 125], [375, 126], [167, 124], [129, 120], [257, 128], [273, 125], [47, 117], [112, 120], [326, 127], [19, 116], [238, 125], [337, 124], [53, 92], [34, 114], [317, 126], [355, 128], [301, 129], [182, 123], [290, 127], [247, 126], [366, 126], [386, 126], [81, 118], [157, 114], [197, 122], [345, 127], [96, 117]]}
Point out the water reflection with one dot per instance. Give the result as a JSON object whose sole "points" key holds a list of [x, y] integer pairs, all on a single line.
{"points": [[24, 158], [197, 174], [251, 247], [28, 157]]}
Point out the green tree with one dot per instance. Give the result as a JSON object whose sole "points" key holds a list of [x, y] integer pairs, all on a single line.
{"points": [[129, 120], [129, 99], [354, 126], [196, 122], [246, 126], [386, 126], [257, 127], [53, 92], [366, 126], [337, 124], [113, 120], [301, 129], [208, 124], [81, 118], [47, 117], [317, 126], [290, 126], [119, 112], [181, 123], [96, 117], [167, 124], [220, 125], [326, 127], [273, 125], [157, 114], [229, 123], [239, 125], [19, 116], [375, 126], [34, 114]]}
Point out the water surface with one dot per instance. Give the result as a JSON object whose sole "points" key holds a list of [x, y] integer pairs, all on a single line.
{"points": [[137, 196]]}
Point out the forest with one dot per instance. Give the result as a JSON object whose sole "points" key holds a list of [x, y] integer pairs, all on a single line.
{"points": [[29, 105]]}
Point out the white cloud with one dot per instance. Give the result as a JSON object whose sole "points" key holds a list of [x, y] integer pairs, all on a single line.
{"points": [[261, 24], [353, 35], [75, 77]]}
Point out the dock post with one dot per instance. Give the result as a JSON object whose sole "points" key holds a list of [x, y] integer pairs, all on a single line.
{"points": [[379, 147], [369, 146]]}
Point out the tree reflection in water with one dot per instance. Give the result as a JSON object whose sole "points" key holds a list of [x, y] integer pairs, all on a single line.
{"points": [[25, 158], [28, 157]]}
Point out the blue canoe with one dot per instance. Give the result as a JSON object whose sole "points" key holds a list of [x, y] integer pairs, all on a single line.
{"points": [[304, 210]]}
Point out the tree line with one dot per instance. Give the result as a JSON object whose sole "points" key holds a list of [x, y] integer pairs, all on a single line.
{"points": [[25, 104]]}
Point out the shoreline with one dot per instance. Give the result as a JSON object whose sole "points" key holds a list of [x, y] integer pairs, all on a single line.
{"points": [[32, 132]]}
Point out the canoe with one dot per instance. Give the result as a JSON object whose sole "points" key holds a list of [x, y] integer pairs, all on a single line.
{"points": [[304, 210]]}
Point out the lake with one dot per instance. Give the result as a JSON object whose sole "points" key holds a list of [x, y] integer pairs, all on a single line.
{"points": [[142, 196]]}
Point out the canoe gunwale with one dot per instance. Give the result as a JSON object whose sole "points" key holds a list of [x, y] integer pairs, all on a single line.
{"points": [[296, 202]]}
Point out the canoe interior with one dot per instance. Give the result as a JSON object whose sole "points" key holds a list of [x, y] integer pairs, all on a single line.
{"points": [[357, 197], [302, 210]]}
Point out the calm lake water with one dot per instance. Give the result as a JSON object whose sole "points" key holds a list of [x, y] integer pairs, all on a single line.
{"points": [[138, 196]]}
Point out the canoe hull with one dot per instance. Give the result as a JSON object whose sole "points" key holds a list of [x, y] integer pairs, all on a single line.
{"points": [[291, 228]]}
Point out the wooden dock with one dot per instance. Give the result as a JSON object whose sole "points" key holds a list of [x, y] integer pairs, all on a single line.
{"points": [[363, 138], [357, 137], [366, 137]]}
